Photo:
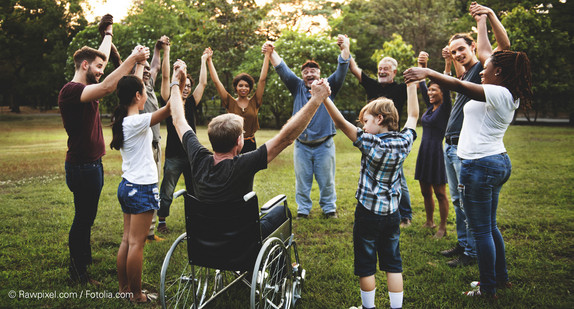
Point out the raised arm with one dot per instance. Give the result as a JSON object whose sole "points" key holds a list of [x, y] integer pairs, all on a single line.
{"points": [[97, 91], [484, 48], [165, 69], [448, 62], [214, 77], [263, 77], [471, 90], [294, 127], [345, 46], [198, 92], [412, 106], [274, 56], [355, 69], [176, 101], [106, 45], [348, 128], [155, 64]]}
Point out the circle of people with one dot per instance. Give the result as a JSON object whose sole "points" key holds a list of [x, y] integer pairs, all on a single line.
{"points": [[489, 85]]}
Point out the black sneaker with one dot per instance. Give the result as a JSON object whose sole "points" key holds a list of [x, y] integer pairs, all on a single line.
{"points": [[332, 215], [457, 250], [301, 216], [463, 260]]}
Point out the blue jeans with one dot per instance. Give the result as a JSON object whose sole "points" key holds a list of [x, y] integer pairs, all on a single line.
{"points": [[405, 210], [319, 161], [452, 165], [85, 180], [172, 170], [481, 181]]}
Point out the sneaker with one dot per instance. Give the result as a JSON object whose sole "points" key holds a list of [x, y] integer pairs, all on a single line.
{"points": [[457, 250], [479, 294], [500, 285], [152, 238], [463, 260], [405, 222], [302, 216], [332, 215], [360, 307]]}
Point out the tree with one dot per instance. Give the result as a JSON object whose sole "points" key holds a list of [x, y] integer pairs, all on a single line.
{"points": [[34, 37], [550, 53]]}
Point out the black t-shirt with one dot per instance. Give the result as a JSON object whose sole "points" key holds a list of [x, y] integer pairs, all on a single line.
{"points": [[457, 113], [393, 91], [173, 147], [229, 179]]}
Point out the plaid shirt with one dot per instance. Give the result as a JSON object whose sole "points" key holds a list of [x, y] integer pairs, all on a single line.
{"points": [[383, 154]]}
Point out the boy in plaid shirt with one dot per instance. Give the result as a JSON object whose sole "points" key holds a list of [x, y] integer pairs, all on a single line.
{"points": [[376, 230]]}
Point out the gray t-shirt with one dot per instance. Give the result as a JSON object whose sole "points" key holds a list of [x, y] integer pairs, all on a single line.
{"points": [[456, 115], [151, 106]]}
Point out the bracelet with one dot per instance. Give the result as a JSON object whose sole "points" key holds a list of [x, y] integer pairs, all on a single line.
{"points": [[173, 84], [109, 33]]}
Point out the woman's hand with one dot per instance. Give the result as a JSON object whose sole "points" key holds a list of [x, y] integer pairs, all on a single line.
{"points": [[413, 75], [423, 59]]}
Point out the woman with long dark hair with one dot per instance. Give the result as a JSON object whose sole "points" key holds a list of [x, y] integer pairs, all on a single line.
{"points": [[137, 192], [506, 80]]}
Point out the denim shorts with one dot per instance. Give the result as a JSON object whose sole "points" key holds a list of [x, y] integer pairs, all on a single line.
{"points": [[136, 199], [376, 235]]}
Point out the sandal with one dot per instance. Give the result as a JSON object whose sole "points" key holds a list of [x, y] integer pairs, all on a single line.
{"points": [[149, 297]]}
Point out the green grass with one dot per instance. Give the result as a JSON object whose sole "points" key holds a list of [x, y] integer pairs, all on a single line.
{"points": [[536, 216]]}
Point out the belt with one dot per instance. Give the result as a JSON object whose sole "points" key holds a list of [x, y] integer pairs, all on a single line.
{"points": [[314, 143], [451, 140]]}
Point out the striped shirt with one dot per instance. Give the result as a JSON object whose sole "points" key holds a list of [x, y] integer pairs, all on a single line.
{"points": [[383, 154]]}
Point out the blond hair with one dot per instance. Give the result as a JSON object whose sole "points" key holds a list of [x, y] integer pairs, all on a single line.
{"points": [[223, 132], [384, 107]]}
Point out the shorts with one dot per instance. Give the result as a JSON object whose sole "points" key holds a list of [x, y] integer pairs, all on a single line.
{"points": [[376, 235], [136, 199]]}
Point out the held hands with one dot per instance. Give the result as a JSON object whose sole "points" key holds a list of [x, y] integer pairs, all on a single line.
{"points": [[423, 59], [413, 75], [446, 54], [179, 71], [320, 89], [141, 53], [343, 41], [163, 42], [207, 53], [479, 12], [267, 47]]}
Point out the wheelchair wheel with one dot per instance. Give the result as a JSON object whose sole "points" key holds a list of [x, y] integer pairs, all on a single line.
{"points": [[298, 277], [271, 285], [183, 285]]}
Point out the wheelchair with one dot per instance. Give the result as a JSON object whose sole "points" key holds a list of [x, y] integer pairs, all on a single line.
{"points": [[222, 246]]}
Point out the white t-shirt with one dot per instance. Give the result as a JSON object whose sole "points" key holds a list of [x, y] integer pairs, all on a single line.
{"points": [[138, 165], [485, 123]]}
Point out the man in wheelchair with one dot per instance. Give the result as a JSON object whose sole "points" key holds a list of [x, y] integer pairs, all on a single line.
{"points": [[226, 175]]}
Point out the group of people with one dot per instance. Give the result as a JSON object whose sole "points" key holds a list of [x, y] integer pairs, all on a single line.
{"points": [[489, 87]]}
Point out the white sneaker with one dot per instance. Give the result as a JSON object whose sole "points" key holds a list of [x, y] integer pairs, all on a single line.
{"points": [[475, 284]]}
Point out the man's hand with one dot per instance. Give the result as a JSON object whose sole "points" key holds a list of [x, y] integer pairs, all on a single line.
{"points": [[415, 74], [479, 12], [105, 25], [206, 54], [320, 89], [423, 59], [141, 53], [446, 54]]}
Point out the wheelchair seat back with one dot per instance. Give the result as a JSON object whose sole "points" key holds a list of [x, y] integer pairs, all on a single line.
{"points": [[224, 235]]}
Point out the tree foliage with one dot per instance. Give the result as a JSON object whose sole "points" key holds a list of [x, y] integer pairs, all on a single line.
{"points": [[34, 37]]}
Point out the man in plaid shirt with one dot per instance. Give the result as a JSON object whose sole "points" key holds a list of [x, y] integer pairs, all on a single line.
{"points": [[376, 230]]}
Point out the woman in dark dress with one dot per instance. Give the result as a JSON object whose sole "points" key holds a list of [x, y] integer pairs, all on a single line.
{"points": [[430, 169]]}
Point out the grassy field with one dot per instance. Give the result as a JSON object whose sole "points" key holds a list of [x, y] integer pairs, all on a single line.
{"points": [[536, 216]]}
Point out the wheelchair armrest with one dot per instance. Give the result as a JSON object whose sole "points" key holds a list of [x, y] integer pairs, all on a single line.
{"points": [[179, 193], [248, 196], [277, 200]]}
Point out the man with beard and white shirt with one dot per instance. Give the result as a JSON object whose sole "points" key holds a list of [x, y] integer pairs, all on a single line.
{"points": [[79, 108], [385, 86]]}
